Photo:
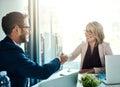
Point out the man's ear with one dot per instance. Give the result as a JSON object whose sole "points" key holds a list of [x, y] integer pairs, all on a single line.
{"points": [[16, 29]]}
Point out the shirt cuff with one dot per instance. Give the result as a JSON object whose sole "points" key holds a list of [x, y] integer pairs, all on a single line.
{"points": [[59, 59]]}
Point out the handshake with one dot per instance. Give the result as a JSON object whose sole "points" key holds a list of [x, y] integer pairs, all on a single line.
{"points": [[63, 58]]}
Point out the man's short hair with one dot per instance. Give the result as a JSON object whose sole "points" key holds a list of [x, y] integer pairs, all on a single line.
{"points": [[10, 20]]}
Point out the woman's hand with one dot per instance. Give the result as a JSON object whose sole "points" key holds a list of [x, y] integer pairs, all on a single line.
{"points": [[63, 57], [87, 71]]}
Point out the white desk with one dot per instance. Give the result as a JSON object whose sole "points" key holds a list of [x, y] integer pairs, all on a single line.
{"points": [[66, 72], [59, 78], [102, 84]]}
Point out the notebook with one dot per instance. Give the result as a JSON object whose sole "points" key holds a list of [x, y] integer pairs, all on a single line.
{"points": [[112, 69], [63, 81]]}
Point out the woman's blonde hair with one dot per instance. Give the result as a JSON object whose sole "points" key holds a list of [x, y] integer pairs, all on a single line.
{"points": [[97, 31]]}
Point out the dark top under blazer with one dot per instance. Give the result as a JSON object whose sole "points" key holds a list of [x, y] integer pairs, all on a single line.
{"points": [[19, 67]]}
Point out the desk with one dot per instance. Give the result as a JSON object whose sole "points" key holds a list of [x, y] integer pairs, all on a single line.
{"points": [[64, 78], [102, 84], [60, 78]]}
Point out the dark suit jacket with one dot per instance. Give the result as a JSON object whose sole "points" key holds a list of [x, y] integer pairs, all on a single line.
{"points": [[19, 67]]}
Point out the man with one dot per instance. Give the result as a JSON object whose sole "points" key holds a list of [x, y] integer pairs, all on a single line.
{"points": [[13, 59]]}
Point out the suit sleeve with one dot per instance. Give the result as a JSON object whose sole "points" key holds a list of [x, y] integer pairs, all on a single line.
{"points": [[29, 68]]}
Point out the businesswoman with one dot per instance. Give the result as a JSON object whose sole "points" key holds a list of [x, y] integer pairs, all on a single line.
{"points": [[92, 51]]}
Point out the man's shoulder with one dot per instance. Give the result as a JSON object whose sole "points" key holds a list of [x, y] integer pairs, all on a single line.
{"points": [[9, 45]]}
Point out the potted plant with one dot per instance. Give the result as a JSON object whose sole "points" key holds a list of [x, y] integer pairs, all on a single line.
{"points": [[89, 80]]}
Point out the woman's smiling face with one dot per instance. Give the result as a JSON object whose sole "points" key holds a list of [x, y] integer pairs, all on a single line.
{"points": [[90, 37]]}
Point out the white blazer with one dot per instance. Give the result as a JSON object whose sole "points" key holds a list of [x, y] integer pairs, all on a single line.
{"points": [[104, 49]]}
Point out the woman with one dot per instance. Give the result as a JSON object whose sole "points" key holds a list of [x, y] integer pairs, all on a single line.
{"points": [[92, 51]]}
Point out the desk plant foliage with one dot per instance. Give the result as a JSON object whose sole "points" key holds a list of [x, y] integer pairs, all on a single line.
{"points": [[89, 80]]}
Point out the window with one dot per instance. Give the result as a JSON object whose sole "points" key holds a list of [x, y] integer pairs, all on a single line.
{"points": [[62, 22]]}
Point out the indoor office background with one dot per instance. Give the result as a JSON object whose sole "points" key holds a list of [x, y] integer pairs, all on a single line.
{"points": [[58, 25]]}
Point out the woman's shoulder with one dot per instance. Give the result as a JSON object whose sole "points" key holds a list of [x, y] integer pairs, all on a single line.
{"points": [[83, 43], [105, 44]]}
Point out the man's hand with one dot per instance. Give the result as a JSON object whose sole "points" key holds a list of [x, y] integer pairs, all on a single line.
{"points": [[64, 58]]}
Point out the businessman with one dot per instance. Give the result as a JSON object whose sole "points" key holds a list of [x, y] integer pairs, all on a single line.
{"points": [[13, 59]]}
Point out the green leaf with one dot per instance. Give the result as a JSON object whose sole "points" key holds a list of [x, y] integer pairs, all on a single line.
{"points": [[89, 80]]}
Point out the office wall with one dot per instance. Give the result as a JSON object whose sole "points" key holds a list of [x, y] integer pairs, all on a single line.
{"points": [[9, 6]]}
